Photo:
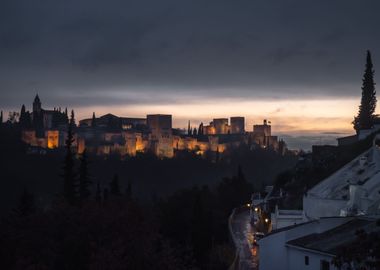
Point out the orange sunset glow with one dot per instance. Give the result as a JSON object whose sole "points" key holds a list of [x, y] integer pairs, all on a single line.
{"points": [[287, 116]]}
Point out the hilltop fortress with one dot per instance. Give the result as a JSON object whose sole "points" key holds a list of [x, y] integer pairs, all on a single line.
{"points": [[110, 134]]}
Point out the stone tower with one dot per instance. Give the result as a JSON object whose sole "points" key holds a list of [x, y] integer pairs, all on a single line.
{"points": [[37, 104]]}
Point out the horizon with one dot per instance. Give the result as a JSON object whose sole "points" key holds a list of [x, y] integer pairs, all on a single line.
{"points": [[281, 126], [194, 60]]}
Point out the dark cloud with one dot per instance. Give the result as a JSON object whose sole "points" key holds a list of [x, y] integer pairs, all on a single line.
{"points": [[223, 48]]}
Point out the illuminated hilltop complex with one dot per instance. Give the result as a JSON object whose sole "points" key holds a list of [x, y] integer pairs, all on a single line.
{"points": [[110, 134]]}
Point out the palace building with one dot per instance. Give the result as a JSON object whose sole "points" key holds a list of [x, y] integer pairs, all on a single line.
{"points": [[110, 134]]}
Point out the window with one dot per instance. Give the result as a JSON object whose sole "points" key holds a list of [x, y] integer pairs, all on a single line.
{"points": [[325, 265], [306, 260]]}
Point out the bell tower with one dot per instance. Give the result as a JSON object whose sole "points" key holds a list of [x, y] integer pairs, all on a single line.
{"points": [[37, 104]]}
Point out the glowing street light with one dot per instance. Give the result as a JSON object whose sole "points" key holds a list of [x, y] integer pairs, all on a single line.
{"points": [[256, 209], [266, 220]]}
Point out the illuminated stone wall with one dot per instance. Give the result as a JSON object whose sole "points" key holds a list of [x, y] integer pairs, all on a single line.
{"points": [[237, 125], [264, 129], [221, 125], [161, 137], [52, 138], [130, 143]]}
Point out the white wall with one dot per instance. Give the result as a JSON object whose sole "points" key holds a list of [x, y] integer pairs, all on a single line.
{"points": [[320, 207], [296, 260], [273, 252]]}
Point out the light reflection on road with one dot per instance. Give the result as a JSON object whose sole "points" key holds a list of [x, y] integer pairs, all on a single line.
{"points": [[248, 256]]}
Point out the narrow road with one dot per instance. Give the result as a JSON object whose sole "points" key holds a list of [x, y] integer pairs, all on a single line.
{"points": [[243, 233]]}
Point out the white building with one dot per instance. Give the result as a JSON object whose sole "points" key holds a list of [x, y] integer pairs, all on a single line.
{"points": [[284, 218], [352, 190], [311, 245]]}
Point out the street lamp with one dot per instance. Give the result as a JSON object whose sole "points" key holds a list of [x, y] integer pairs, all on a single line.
{"points": [[256, 209], [266, 220]]}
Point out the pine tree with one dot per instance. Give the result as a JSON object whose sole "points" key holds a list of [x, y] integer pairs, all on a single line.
{"points": [[1, 117], [23, 116], [26, 204], [240, 175], [200, 129], [84, 178], [98, 195], [367, 107], [195, 132], [128, 191], [93, 121], [114, 185], [189, 128], [72, 118], [105, 194], [69, 179]]}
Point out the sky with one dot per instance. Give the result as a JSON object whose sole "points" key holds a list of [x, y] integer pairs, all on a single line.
{"points": [[298, 63]]}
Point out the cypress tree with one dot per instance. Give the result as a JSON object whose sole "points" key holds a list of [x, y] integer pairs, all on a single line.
{"points": [[84, 178], [26, 204], [69, 181], [188, 128], [200, 129], [72, 118], [98, 195], [93, 121], [128, 191], [1, 117], [114, 185], [105, 194], [195, 131], [23, 116], [367, 107], [240, 175]]}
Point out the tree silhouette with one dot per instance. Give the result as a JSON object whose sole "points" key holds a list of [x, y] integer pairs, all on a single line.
{"points": [[128, 191], [72, 118], [93, 121], [105, 194], [217, 155], [195, 132], [98, 195], [22, 116], [84, 178], [367, 107], [69, 181], [114, 185], [25, 120], [200, 129], [26, 204], [363, 252]]}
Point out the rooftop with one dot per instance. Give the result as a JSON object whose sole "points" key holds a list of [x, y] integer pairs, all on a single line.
{"points": [[333, 240], [363, 171]]}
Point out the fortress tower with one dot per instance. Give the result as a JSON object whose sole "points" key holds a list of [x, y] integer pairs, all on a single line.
{"points": [[37, 104]]}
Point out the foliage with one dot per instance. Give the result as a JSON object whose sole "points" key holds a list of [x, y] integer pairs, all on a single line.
{"points": [[114, 185], [202, 214], [363, 253], [367, 107], [26, 206], [113, 236], [69, 175], [84, 177]]}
